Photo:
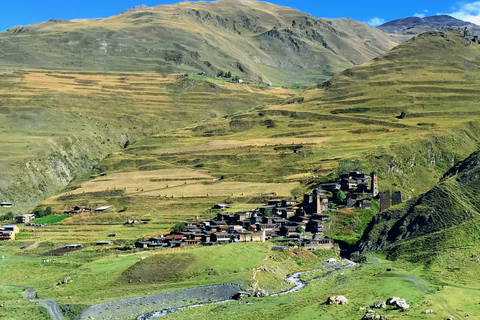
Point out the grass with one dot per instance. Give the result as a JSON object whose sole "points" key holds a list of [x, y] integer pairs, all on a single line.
{"points": [[237, 41], [103, 274], [51, 219], [243, 157], [16, 308], [66, 128]]}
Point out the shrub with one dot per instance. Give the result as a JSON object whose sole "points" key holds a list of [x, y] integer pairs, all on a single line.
{"points": [[402, 115], [300, 229], [8, 216]]}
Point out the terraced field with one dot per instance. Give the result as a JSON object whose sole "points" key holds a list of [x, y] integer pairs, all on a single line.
{"points": [[65, 123]]}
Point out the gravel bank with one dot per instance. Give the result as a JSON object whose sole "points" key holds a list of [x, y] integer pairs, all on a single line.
{"points": [[132, 307]]}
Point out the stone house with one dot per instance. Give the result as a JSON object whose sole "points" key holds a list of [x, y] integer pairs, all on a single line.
{"points": [[318, 244], [252, 236], [220, 237], [25, 218]]}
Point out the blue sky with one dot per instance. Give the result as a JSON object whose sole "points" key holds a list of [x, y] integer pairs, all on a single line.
{"points": [[30, 11]]}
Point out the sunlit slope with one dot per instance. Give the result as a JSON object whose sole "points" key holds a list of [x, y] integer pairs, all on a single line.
{"points": [[56, 126], [352, 121], [251, 39]]}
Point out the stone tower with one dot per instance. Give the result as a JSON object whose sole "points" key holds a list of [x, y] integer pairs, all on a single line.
{"points": [[317, 202], [385, 200], [396, 198], [374, 184]]}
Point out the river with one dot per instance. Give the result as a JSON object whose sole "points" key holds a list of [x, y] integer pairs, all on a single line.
{"points": [[294, 279]]}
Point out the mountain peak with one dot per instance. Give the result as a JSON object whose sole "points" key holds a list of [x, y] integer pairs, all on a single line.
{"points": [[136, 8], [416, 25]]}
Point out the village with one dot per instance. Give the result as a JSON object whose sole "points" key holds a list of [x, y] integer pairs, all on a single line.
{"points": [[288, 222]]}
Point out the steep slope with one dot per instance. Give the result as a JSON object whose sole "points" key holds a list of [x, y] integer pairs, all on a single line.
{"points": [[56, 126], [446, 217], [256, 40]]}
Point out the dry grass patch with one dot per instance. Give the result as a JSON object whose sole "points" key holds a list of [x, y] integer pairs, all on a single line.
{"points": [[227, 188]]}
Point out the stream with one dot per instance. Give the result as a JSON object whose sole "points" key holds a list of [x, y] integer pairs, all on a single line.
{"points": [[294, 279]]}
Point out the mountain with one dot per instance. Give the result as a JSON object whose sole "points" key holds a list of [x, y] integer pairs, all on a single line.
{"points": [[412, 26], [354, 120], [444, 218], [254, 40]]}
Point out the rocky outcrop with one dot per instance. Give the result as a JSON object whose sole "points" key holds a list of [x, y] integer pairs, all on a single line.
{"points": [[337, 300], [398, 303], [372, 315], [379, 305]]}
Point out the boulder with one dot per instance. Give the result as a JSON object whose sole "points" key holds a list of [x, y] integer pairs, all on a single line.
{"points": [[427, 311], [337, 300], [398, 303], [372, 315], [379, 305], [260, 293]]}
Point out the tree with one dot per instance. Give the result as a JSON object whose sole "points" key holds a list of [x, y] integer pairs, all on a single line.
{"points": [[127, 143], [39, 212], [402, 115], [341, 195], [48, 211], [220, 74], [228, 75], [300, 229], [268, 213], [179, 227]]}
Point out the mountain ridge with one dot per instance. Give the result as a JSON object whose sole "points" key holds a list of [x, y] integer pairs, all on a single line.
{"points": [[412, 26], [254, 40]]}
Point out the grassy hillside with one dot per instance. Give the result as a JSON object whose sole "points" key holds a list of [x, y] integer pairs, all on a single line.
{"points": [[57, 126], [255, 40], [353, 120], [446, 216]]}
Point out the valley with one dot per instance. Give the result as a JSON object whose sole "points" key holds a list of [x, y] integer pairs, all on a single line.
{"points": [[160, 141]]}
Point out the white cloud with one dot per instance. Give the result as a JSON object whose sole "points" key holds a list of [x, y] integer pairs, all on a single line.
{"points": [[468, 12], [419, 15], [375, 22]]}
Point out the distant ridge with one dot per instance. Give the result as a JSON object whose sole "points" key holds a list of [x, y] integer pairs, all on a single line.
{"points": [[414, 25], [254, 40]]}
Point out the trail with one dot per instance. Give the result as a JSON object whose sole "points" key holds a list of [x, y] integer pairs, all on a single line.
{"points": [[419, 283], [51, 305]]}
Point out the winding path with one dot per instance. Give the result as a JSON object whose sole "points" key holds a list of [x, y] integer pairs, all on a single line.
{"points": [[51, 305]]}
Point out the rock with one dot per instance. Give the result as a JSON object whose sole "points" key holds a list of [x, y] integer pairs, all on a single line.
{"points": [[427, 311], [337, 300], [379, 305], [260, 293], [240, 295], [372, 315], [398, 303]]}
